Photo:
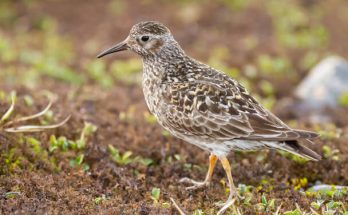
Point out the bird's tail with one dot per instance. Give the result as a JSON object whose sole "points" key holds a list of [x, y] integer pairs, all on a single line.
{"points": [[306, 134], [294, 147]]}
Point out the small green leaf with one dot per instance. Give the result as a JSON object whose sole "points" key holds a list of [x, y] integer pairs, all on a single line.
{"points": [[35, 145], [80, 144], [177, 157], [28, 100], [155, 194], [98, 200], [264, 200], [147, 161], [343, 99], [77, 161], [89, 128]]}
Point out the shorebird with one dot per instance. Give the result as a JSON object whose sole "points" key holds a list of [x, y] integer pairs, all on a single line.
{"points": [[203, 106]]}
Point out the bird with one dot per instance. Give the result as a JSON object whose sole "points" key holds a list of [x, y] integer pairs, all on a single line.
{"points": [[205, 107]]}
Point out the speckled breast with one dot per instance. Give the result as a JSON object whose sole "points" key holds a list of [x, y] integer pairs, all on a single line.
{"points": [[152, 90]]}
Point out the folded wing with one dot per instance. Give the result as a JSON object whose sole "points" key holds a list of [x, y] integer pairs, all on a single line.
{"points": [[221, 108]]}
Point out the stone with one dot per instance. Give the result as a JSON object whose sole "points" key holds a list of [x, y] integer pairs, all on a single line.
{"points": [[324, 85]]}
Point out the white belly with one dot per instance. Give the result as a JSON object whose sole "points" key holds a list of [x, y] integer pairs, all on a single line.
{"points": [[222, 148]]}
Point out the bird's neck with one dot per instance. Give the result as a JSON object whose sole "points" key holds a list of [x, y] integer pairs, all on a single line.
{"points": [[171, 52]]}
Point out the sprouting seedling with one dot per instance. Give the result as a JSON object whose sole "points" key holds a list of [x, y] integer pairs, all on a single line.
{"points": [[87, 130], [5, 125], [155, 194], [121, 159], [265, 204]]}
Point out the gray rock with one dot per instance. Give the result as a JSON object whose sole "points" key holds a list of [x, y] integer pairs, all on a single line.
{"points": [[326, 82], [325, 187]]}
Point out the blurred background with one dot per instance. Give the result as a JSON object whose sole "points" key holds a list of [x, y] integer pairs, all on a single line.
{"points": [[268, 45]]}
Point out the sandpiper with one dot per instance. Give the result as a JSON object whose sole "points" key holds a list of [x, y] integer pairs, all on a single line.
{"points": [[203, 106]]}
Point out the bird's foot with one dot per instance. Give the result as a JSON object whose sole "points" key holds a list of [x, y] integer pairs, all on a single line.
{"points": [[232, 198], [195, 184], [224, 206]]}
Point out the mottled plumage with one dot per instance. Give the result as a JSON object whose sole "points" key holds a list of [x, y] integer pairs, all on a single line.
{"points": [[202, 105]]}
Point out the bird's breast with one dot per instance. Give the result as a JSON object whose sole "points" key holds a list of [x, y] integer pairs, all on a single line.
{"points": [[152, 91]]}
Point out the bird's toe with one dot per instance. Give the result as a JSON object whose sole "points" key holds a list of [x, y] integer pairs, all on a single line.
{"points": [[224, 206], [195, 184]]}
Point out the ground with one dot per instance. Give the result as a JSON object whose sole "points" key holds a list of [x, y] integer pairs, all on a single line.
{"points": [[125, 163]]}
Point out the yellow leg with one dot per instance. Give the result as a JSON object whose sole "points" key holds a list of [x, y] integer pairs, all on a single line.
{"points": [[198, 184], [226, 165], [212, 163], [233, 192]]}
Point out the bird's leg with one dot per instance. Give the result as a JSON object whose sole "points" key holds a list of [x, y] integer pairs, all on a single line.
{"points": [[233, 191], [199, 184]]}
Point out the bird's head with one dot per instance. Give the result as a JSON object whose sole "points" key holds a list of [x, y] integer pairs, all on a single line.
{"points": [[148, 39]]}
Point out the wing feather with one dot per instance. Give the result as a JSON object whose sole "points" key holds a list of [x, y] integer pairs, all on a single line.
{"points": [[220, 108]]}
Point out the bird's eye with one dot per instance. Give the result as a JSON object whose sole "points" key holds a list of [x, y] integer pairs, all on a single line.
{"points": [[145, 38]]}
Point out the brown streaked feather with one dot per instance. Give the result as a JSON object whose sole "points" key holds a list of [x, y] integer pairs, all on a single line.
{"points": [[151, 27], [222, 109]]}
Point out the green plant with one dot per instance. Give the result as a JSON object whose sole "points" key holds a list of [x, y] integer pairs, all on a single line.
{"points": [[64, 144], [127, 158], [96, 70], [330, 153], [298, 183], [293, 157], [330, 208], [98, 200], [144, 161], [117, 157], [35, 145], [317, 204], [150, 118], [10, 160], [328, 132], [11, 195], [87, 131], [325, 191], [245, 192], [118, 7], [198, 212], [155, 194], [343, 99], [309, 60], [267, 88], [236, 5], [294, 27], [127, 116], [273, 65], [127, 71], [297, 211], [61, 143], [266, 205], [78, 162]]}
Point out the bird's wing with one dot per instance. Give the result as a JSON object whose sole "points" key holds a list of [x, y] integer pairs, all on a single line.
{"points": [[221, 108]]}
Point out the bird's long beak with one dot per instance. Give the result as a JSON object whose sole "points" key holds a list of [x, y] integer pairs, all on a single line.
{"points": [[119, 47]]}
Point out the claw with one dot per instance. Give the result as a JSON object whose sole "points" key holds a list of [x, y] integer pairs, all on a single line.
{"points": [[196, 184], [185, 180]]}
